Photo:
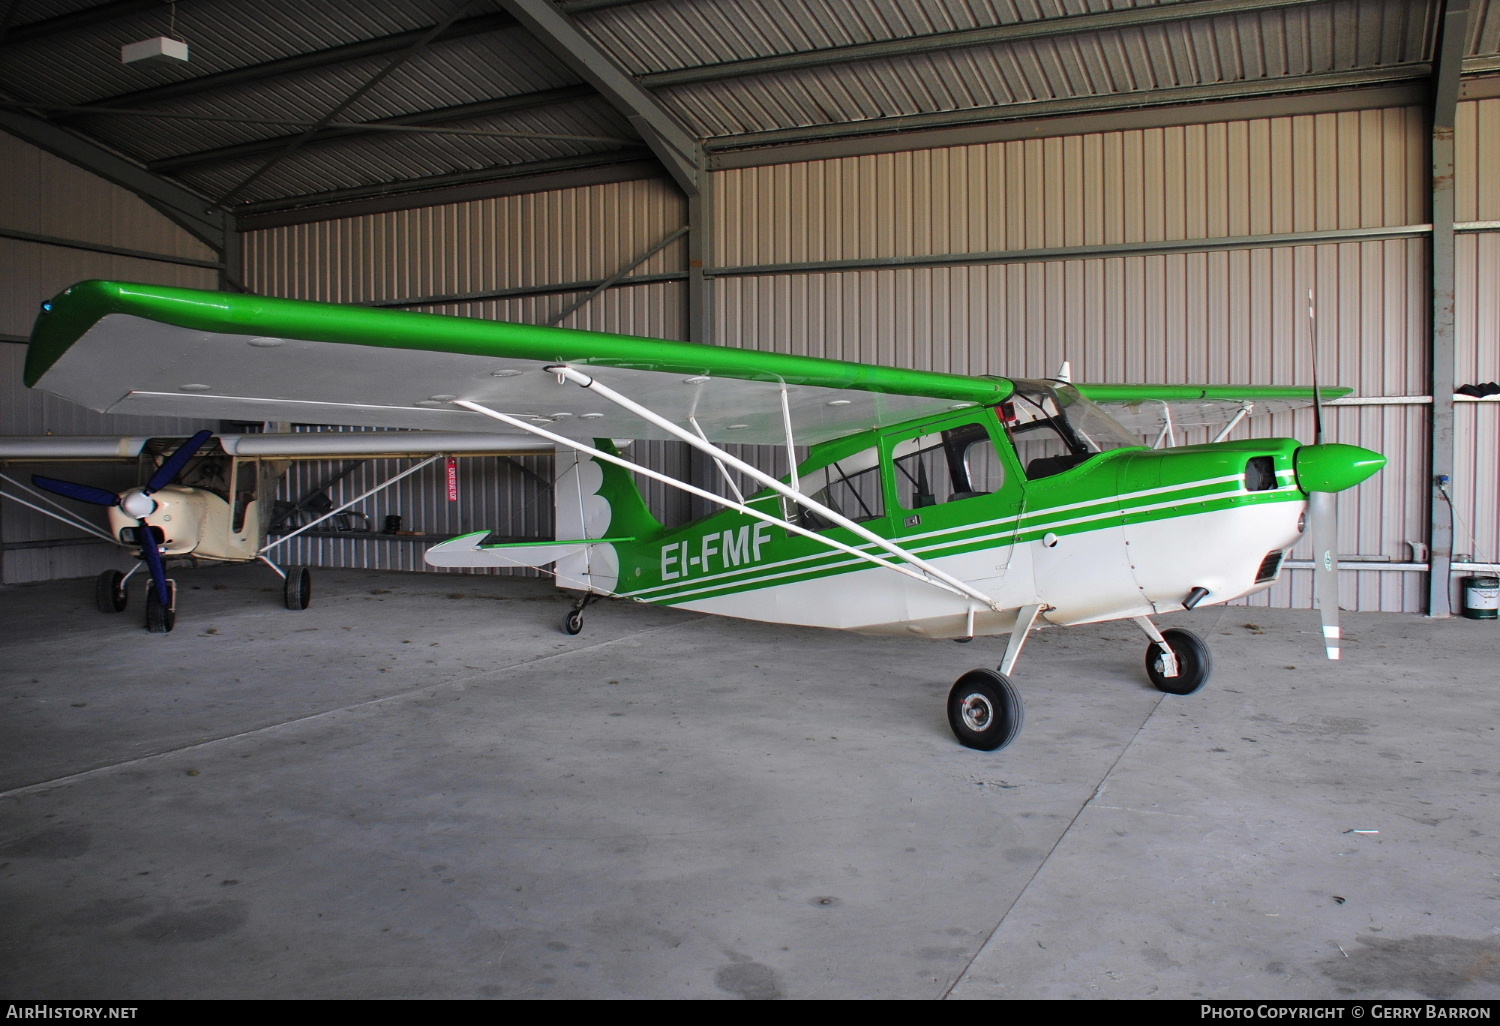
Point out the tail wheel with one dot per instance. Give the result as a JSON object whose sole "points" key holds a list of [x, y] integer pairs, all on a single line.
{"points": [[985, 710], [297, 592], [573, 622], [109, 591], [1193, 662]]}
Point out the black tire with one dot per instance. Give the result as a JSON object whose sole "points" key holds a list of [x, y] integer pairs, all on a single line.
{"points": [[297, 591], [109, 592], [1194, 664], [573, 622], [985, 710], [160, 619]]}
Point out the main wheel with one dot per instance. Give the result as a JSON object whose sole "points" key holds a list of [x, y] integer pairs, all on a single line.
{"points": [[159, 618], [573, 622], [297, 591], [109, 591], [985, 710], [1193, 662]]}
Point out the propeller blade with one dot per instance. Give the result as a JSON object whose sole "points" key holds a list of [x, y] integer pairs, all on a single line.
{"points": [[1323, 529], [151, 553], [81, 492], [173, 464]]}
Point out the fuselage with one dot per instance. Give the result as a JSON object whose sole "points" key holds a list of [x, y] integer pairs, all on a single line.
{"points": [[1127, 532]]}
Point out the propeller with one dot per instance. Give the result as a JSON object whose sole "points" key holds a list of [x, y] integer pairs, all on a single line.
{"points": [[1323, 470], [137, 503]]}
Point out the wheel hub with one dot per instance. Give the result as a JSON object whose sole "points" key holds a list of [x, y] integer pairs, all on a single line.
{"points": [[977, 712]]}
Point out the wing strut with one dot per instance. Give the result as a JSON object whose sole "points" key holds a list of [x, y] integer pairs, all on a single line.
{"points": [[774, 484], [1235, 422], [719, 500], [63, 516], [1166, 429]]}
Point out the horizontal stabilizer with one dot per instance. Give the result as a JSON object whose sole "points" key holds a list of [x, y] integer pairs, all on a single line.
{"points": [[466, 550]]}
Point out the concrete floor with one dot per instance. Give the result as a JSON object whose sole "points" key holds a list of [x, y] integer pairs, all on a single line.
{"points": [[420, 788]]}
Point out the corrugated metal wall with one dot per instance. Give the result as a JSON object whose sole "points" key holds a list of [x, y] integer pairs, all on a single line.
{"points": [[1160, 307], [1476, 488], [544, 239], [543, 242], [1236, 314], [1233, 315], [42, 195], [1357, 169]]}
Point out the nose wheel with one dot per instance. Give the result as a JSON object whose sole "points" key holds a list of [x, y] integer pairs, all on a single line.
{"points": [[985, 710], [1191, 655], [160, 619]]}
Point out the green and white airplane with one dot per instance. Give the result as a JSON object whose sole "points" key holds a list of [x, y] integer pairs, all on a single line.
{"points": [[927, 504]]}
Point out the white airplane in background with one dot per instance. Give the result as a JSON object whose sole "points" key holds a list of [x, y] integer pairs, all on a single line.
{"points": [[209, 499]]}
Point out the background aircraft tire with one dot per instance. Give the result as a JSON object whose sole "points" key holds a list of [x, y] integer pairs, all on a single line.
{"points": [[1193, 662], [297, 592], [109, 594], [985, 710], [160, 619], [573, 622]]}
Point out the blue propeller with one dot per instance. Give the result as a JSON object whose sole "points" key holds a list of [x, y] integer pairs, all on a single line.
{"points": [[136, 502]]}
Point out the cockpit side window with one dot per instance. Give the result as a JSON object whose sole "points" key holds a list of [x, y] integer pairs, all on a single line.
{"points": [[950, 466], [246, 479], [850, 486]]}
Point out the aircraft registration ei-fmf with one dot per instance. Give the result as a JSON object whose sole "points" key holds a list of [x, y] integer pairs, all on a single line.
{"points": [[928, 504]]}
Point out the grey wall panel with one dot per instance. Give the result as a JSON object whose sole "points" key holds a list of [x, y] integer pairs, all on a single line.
{"points": [[1477, 307], [1476, 156], [43, 195], [546, 238], [1476, 483], [33, 272], [657, 310], [46, 195], [1358, 169], [1223, 317]]}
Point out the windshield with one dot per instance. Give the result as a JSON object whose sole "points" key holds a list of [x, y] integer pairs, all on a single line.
{"points": [[1054, 428], [1083, 424]]}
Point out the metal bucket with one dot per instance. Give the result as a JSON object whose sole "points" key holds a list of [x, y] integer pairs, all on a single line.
{"points": [[1481, 597]]}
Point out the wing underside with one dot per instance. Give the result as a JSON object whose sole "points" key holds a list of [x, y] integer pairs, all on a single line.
{"points": [[1148, 409], [130, 349]]}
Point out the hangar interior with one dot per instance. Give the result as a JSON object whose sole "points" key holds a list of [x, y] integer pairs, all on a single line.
{"points": [[1146, 190]]}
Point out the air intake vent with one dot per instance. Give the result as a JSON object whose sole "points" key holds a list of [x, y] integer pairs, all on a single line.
{"points": [[1260, 474], [1269, 567]]}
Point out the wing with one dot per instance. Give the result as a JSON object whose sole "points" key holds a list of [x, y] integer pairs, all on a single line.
{"points": [[301, 445], [1144, 408], [142, 349]]}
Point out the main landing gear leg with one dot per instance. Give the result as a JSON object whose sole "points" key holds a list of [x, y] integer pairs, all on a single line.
{"points": [[984, 708], [1177, 660], [573, 621]]}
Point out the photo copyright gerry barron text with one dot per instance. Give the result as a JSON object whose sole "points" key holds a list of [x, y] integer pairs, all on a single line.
{"points": [[1346, 1010]]}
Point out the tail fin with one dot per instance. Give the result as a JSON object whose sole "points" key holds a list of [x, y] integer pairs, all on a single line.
{"points": [[595, 499]]}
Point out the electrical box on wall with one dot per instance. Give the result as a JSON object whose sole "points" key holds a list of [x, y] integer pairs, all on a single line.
{"points": [[157, 50]]}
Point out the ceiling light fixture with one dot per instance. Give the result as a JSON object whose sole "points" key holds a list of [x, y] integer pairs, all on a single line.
{"points": [[157, 49]]}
